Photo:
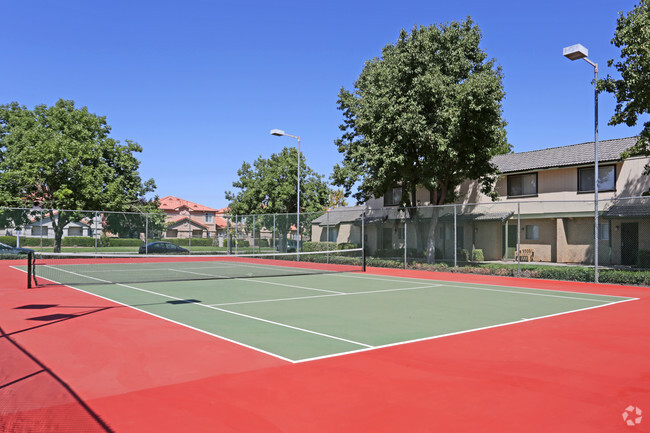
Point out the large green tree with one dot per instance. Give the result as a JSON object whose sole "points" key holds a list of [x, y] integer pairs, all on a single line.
{"points": [[62, 157], [427, 113], [632, 90], [269, 186]]}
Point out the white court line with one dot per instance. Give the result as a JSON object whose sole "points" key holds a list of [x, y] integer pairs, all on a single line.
{"points": [[326, 296], [459, 285], [366, 346], [399, 343], [261, 282], [224, 310]]}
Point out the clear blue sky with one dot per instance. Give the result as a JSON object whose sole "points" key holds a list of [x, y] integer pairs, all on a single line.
{"points": [[199, 84]]}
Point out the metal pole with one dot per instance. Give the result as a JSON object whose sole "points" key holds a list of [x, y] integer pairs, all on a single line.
{"points": [[405, 242], [253, 234], [327, 243], [146, 233], [519, 240], [41, 236], [298, 211], [596, 174], [456, 241]]}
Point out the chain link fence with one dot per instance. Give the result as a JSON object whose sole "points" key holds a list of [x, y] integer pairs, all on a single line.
{"points": [[513, 235]]}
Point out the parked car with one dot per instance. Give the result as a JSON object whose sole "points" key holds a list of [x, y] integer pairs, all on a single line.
{"points": [[162, 248], [8, 249]]}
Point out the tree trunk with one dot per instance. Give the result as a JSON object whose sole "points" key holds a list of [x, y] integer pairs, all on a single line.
{"points": [[58, 223]]}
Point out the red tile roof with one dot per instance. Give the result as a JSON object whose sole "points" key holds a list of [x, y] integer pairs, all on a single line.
{"points": [[174, 203]]}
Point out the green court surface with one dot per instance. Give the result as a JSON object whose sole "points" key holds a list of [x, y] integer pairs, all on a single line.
{"points": [[306, 317]]}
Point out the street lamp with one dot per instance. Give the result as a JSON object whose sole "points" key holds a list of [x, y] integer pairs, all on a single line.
{"points": [[575, 52], [279, 133]]}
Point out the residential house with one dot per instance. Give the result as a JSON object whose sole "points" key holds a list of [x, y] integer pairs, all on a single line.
{"points": [[548, 194], [187, 219]]}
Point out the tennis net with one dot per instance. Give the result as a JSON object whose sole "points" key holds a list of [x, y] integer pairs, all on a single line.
{"points": [[79, 269]]}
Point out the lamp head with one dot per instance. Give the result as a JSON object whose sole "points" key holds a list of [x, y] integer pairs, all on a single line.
{"points": [[277, 132], [575, 52]]}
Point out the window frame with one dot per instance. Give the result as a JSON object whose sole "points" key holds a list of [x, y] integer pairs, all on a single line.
{"points": [[531, 238], [600, 189], [509, 180], [391, 193]]}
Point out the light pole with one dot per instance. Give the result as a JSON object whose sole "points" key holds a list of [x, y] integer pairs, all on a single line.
{"points": [[279, 133], [575, 52]]}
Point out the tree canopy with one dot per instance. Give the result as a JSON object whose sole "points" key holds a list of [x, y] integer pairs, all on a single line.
{"points": [[632, 90], [269, 186], [62, 157], [426, 114]]}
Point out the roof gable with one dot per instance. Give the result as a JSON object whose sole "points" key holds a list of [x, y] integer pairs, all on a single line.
{"points": [[175, 203]]}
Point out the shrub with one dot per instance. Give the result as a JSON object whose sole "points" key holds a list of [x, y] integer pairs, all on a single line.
{"points": [[9, 240], [643, 259], [117, 242], [263, 243], [318, 246], [78, 241], [462, 255], [477, 255]]}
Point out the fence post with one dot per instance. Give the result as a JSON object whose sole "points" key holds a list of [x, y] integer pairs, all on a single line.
{"points": [[253, 234], [518, 240], [327, 243], [456, 242], [146, 232], [95, 230], [41, 235], [405, 241]]}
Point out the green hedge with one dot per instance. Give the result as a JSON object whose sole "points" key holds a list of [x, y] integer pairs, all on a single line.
{"points": [[27, 242], [328, 246], [563, 273], [185, 242]]}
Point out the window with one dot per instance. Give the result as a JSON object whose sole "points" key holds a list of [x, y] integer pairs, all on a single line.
{"points": [[208, 217], [532, 232], [522, 185], [606, 178], [393, 197], [39, 231], [333, 234], [603, 231]]}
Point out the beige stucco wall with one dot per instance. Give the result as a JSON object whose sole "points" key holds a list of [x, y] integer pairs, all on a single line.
{"points": [[562, 184]]}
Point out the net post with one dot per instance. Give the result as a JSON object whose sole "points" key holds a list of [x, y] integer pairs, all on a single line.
{"points": [[30, 260]]}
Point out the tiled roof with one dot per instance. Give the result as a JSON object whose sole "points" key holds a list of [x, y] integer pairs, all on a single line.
{"points": [[637, 208], [172, 203], [339, 215], [577, 154]]}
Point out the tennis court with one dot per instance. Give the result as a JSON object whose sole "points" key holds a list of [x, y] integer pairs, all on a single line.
{"points": [[323, 310], [320, 344]]}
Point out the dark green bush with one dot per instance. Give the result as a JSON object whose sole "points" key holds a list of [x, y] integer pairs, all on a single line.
{"points": [[643, 259], [462, 255], [9, 240], [318, 246], [78, 241], [118, 242]]}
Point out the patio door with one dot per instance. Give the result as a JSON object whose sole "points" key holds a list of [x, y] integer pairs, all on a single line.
{"points": [[629, 243], [509, 244]]}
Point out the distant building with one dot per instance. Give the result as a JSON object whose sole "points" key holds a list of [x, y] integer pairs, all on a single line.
{"points": [[187, 219]]}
